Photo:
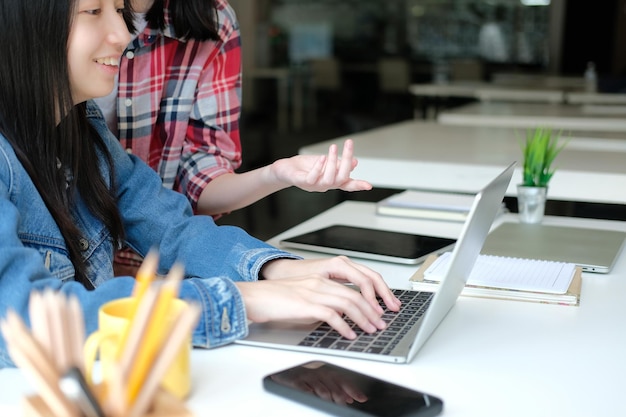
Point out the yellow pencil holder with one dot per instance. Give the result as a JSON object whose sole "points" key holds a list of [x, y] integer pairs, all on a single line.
{"points": [[113, 319]]}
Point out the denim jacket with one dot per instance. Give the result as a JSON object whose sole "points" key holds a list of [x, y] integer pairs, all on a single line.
{"points": [[33, 254]]}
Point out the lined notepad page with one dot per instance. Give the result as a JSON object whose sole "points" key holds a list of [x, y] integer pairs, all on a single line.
{"points": [[511, 273]]}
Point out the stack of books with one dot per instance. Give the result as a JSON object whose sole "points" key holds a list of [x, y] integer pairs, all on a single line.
{"points": [[427, 205]]}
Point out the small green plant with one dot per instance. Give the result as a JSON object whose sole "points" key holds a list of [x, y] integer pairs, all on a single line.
{"points": [[540, 149]]}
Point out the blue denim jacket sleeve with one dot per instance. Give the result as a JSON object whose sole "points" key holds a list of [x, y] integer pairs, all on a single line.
{"points": [[214, 257]]}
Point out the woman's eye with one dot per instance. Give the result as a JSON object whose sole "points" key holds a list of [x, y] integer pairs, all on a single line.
{"points": [[94, 12]]}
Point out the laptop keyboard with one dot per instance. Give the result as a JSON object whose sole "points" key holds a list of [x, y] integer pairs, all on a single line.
{"points": [[414, 305]]}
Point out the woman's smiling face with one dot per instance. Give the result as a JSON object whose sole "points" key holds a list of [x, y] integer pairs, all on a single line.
{"points": [[96, 42]]}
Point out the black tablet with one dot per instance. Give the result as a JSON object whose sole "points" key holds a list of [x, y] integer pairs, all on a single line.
{"points": [[379, 245]]}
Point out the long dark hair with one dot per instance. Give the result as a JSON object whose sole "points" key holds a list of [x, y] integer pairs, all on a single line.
{"points": [[35, 41], [191, 19]]}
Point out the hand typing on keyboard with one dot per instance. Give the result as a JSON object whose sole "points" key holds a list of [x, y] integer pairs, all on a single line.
{"points": [[414, 305], [312, 290]]}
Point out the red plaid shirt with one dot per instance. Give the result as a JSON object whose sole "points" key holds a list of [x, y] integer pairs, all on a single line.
{"points": [[179, 104]]}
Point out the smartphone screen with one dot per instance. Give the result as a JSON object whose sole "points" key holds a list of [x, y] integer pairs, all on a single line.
{"points": [[381, 245], [343, 392]]}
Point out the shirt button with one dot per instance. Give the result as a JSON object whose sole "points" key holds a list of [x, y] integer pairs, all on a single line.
{"points": [[84, 244], [130, 54], [128, 102], [129, 151]]}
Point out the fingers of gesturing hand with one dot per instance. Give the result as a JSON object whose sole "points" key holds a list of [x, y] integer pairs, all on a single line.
{"points": [[329, 176], [355, 185], [316, 171], [334, 171], [346, 164], [322, 175], [323, 172]]}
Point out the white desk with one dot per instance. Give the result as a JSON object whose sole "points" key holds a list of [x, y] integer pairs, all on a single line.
{"points": [[485, 91], [487, 358], [605, 109], [595, 98], [465, 89], [430, 156], [436, 95], [524, 115], [566, 83]]}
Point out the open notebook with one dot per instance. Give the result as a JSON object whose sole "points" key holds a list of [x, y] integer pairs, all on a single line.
{"points": [[421, 311], [509, 279]]}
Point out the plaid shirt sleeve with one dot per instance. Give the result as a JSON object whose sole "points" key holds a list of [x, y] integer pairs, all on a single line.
{"points": [[212, 145]]}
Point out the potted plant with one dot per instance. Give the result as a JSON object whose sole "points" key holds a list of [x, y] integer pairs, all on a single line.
{"points": [[540, 149]]}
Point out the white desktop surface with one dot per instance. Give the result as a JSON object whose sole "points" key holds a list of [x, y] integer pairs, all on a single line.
{"points": [[487, 358], [526, 115], [424, 155], [595, 98], [565, 83], [486, 91]]}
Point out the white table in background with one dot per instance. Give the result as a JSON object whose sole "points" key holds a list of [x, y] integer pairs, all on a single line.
{"points": [[431, 156], [565, 83], [434, 96], [488, 92], [487, 358], [526, 115], [465, 89], [595, 98]]}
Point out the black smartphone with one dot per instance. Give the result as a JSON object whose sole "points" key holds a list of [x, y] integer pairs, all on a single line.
{"points": [[379, 245], [343, 392]]}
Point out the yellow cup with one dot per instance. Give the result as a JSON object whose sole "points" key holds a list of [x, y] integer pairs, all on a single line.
{"points": [[113, 319]]}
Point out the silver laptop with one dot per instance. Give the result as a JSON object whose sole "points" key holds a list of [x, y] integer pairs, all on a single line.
{"points": [[594, 250], [421, 312]]}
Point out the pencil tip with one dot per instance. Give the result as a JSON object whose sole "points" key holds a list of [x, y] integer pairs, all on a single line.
{"points": [[177, 272], [150, 263]]}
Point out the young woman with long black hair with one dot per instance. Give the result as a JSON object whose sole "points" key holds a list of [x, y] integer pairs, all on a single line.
{"points": [[70, 195]]}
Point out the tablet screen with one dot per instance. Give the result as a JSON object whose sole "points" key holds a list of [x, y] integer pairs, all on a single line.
{"points": [[370, 243]]}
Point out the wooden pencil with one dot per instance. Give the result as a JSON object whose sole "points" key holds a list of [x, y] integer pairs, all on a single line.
{"points": [[136, 331], [28, 355], [181, 329], [39, 322], [61, 314], [154, 332], [56, 330], [115, 403], [144, 279], [77, 332], [146, 273]]}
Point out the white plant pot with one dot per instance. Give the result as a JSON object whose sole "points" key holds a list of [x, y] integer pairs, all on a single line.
{"points": [[531, 203]]}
